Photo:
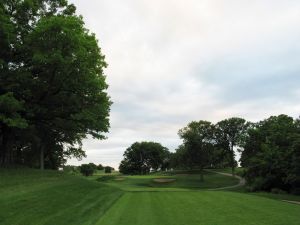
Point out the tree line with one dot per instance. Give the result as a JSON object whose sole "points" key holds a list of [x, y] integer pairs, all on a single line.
{"points": [[270, 151], [52, 86], [87, 169]]}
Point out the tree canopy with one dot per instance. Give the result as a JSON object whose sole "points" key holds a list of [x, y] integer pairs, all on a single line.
{"points": [[272, 154], [198, 142], [52, 86], [230, 133], [141, 157]]}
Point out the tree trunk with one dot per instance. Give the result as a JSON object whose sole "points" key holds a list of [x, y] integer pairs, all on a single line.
{"points": [[201, 175], [232, 160], [6, 151]]}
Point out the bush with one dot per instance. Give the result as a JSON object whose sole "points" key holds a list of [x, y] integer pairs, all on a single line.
{"points": [[87, 169], [256, 185], [107, 169], [278, 191], [295, 191]]}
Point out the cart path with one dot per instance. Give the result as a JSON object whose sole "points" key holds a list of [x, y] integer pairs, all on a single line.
{"points": [[241, 183]]}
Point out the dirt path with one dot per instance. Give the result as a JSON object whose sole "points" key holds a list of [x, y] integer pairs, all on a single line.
{"points": [[241, 183], [293, 202]]}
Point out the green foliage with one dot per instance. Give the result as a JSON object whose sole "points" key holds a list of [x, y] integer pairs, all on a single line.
{"points": [[100, 167], [108, 169], [230, 133], [52, 86], [198, 142], [10, 111], [271, 155], [141, 157], [87, 169]]}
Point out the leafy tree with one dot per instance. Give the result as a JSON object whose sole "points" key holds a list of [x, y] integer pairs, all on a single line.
{"points": [[87, 169], [52, 87], [141, 157], [271, 154], [198, 143], [230, 133], [108, 169], [93, 165], [100, 167]]}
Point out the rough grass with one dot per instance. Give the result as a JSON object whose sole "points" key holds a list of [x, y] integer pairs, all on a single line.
{"points": [[31, 197]]}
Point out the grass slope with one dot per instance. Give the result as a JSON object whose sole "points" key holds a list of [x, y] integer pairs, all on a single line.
{"points": [[31, 197], [197, 208]]}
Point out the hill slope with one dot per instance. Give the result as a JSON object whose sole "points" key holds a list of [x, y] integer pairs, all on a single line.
{"points": [[32, 197]]}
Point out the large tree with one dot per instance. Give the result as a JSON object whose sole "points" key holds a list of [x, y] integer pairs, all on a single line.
{"points": [[271, 154], [52, 89], [141, 157], [198, 143], [229, 133]]}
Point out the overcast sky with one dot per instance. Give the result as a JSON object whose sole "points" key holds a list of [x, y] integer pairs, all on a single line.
{"points": [[171, 62]]}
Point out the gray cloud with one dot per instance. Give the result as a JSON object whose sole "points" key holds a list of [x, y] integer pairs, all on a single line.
{"points": [[171, 62]]}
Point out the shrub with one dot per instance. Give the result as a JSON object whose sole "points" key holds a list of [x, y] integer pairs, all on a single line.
{"points": [[87, 169], [107, 169], [278, 191]]}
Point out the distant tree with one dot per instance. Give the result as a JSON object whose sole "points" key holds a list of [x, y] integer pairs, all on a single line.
{"points": [[198, 143], [108, 169], [93, 165], [100, 167], [230, 133], [141, 157], [87, 169]]}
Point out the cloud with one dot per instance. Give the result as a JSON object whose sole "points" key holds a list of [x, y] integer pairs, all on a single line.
{"points": [[171, 62]]}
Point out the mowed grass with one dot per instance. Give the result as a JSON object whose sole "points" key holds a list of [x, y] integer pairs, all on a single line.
{"points": [[199, 208], [183, 181], [32, 197]]}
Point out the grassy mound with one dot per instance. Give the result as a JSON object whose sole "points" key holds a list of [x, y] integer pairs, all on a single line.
{"points": [[32, 197]]}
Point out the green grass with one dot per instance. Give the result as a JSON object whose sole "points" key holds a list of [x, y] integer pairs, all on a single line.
{"points": [[32, 197], [183, 182], [199, 208]]}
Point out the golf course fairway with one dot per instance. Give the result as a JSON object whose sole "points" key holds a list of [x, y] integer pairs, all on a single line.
{"points": [[32, 197], [199, 208]]}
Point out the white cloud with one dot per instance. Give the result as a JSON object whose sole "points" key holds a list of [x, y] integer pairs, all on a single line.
{"points": [[171, 62]]}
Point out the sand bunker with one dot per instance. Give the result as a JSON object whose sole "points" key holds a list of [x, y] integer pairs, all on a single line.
{"points": [[164, 180], [120, 178]]}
